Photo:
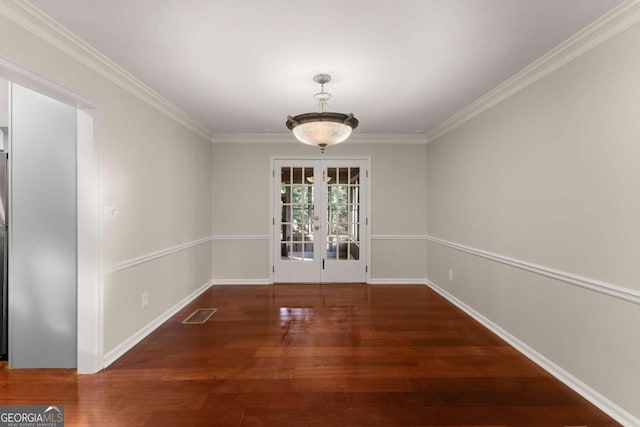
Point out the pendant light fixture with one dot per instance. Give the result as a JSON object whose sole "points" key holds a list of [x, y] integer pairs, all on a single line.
{"points": [[322, 128]]}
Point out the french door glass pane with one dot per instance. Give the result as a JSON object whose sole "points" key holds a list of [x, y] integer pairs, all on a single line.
{"points": [[343, 213], [297, 211]]}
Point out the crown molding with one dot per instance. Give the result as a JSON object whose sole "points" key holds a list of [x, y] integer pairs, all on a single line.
{"points": [[32, 19], [252, 138], [281, 138], [609, 25]]}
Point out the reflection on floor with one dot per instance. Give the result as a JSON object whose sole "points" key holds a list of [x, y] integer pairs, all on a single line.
{"points": [[312, 355]]}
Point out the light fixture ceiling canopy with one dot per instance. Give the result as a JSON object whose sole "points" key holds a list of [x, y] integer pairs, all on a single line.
{"points": [[322, 128]]}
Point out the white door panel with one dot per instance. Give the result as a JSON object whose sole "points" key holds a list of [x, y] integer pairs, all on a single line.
{"points": [[296, 251]]}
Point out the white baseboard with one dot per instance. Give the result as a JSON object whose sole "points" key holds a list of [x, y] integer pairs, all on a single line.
{"points": [[606, 405], [224, 282], [241, 282], [134, 339], [403, 281]]}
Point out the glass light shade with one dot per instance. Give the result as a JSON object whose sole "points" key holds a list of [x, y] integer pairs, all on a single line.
{"points": [[322, 129], [322, 133]]}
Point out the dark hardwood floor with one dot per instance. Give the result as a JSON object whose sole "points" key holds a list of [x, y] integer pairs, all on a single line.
{"points": [[313, 355]]}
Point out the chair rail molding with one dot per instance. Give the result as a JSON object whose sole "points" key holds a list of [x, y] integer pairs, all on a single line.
{"points": [[620, 292], [240, 237], [154, 255], [398, 237]]}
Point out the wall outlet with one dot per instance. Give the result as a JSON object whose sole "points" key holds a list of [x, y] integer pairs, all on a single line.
{"points": [[450, 274], [144, 300]]}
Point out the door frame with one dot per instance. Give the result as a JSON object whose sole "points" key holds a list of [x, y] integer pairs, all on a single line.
{"points": [[88, 210], [367, 205]]}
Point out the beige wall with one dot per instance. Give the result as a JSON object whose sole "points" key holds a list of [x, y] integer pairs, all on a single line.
{"points": [[154, 170], [4, 103], [550, 176], [241, 205]]}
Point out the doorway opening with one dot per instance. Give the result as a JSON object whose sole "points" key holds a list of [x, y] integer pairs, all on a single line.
{"points": [[88, 296]]}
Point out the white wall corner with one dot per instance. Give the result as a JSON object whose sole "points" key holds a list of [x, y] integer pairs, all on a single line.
{"points": [[89, 223]]}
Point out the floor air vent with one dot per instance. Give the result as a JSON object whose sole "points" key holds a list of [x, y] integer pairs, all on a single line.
{"points": [[199, 316]]}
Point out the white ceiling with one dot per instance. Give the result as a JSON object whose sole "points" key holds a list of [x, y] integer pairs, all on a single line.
{"points": [[401, 66]]}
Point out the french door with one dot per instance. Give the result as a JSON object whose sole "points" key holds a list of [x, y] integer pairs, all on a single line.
{"points": [[320, 220]]}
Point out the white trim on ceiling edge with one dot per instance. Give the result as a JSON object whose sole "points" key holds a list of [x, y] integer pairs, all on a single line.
{"points": [[593, 396], [285, 138], [138, 336], [609, 25], [32, 19]]}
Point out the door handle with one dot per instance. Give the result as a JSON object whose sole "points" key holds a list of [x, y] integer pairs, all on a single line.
{"points": [[316, 227]]}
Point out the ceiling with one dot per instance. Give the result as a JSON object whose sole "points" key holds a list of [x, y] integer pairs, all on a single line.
{"points": [[401, 66]]}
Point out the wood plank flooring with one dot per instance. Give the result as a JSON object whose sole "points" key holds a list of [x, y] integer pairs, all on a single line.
{"points": [[313, 355]]}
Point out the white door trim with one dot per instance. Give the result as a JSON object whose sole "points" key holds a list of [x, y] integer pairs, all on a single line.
{"points": [[367, 205], [89, 219]]}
